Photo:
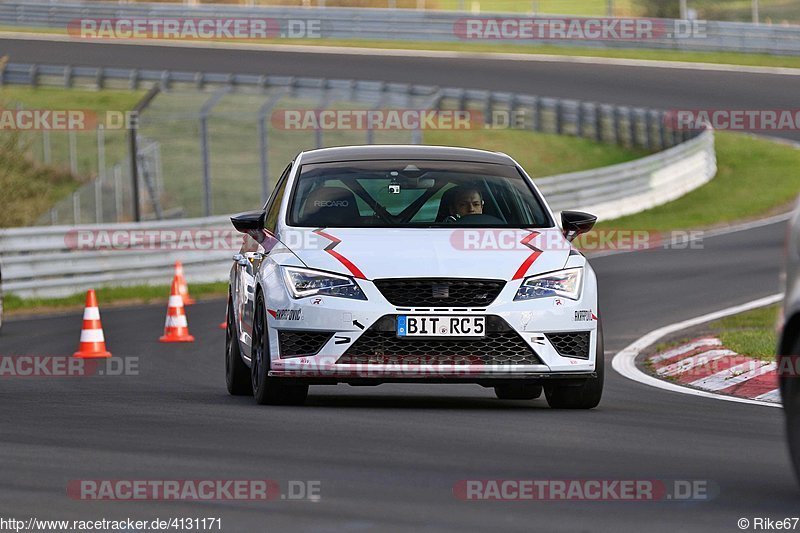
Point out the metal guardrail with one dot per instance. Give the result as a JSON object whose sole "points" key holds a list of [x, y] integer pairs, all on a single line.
{"points": [[619, 190], [42, 261], [410, 25], [52, 261]]}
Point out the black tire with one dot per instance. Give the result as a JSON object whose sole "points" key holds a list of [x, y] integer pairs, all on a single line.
{"points": [[237, 375], [518, 391], [269, 390], [586, 395], [790, 394]]}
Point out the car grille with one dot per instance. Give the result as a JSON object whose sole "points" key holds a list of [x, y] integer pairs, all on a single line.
{"points": [[300, 343], [380, 345], [440, 292], [574, 344]]}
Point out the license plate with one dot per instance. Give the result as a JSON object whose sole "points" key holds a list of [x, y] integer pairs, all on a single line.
{"points": [[441, 326]]}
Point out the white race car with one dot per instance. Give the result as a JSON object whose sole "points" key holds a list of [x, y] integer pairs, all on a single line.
{"points": [[376, 264]]}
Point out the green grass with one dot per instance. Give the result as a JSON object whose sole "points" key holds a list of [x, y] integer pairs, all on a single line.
{"points": [[138, 294], [751, 333], [36, 187], [725, 58], [755, 177], [541, 154]]}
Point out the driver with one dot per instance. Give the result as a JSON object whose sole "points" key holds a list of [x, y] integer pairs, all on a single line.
{"points": [[466, 200]]}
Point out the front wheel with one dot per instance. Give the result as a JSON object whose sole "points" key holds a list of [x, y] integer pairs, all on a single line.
{"points": [[270, 390], [586, 395]]}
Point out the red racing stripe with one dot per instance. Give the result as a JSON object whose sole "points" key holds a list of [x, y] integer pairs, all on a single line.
{"points": [[520, 273], [354, 270]]}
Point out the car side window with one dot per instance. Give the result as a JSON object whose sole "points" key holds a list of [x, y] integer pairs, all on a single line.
{"points": [[274, 205]]}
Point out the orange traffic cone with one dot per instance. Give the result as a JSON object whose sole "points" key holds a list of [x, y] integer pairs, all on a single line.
{"points": [[223, 325], [93, 343], [176, 329], [182, 285]]}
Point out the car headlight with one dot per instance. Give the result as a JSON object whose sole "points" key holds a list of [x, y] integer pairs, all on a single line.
{"points": [[565, 283], [303, 282]]}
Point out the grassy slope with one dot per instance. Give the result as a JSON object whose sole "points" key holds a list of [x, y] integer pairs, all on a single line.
{"points": [[35, 187], [751, 333], [755, 176]]}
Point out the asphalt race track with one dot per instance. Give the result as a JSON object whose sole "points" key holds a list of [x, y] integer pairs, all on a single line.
{"points": [[388, 457]]}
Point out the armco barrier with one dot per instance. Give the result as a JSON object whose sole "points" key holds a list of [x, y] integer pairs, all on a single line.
{"points": [[410, 25]]}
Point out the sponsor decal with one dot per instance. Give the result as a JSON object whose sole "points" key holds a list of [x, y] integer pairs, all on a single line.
{"points": [[331, 203], [584, 316], [286, 314]]}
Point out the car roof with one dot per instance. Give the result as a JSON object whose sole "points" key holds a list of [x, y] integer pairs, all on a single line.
{"points": [[377, 152]]}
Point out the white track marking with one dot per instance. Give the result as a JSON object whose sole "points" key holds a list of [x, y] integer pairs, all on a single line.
{"points": [[701, 359], [625, 361], [685, 348], [735, 375], [398, 52], [771, 396]]}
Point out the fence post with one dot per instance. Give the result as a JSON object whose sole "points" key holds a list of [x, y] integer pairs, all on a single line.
{"points": [[118, 192], [46, 146], [204, 114], [98, 200], [76, 207], [73, 153]]}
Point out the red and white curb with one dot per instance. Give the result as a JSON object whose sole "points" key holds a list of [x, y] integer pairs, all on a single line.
{"points": [[624, 362], [706, 364]]}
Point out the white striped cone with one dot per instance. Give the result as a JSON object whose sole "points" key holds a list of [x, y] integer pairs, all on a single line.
{"points": [[183, 287], [176, 328], [93, 342]]}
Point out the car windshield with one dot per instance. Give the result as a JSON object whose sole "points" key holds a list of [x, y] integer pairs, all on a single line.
{"points": [[404, 193]]}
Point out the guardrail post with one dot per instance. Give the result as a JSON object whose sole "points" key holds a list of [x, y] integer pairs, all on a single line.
{"points": [[537, 114], [559, 109], [133, 80], [579, 120], [68, 76], [631, 126], [34, 74], [598, 122], [99, 79]]}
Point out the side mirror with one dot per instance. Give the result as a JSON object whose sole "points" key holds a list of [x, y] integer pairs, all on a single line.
{"points": [[574, 223], [248, 222]]}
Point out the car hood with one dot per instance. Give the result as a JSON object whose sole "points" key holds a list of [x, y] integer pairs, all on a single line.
{"points": [[471, 253]]}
